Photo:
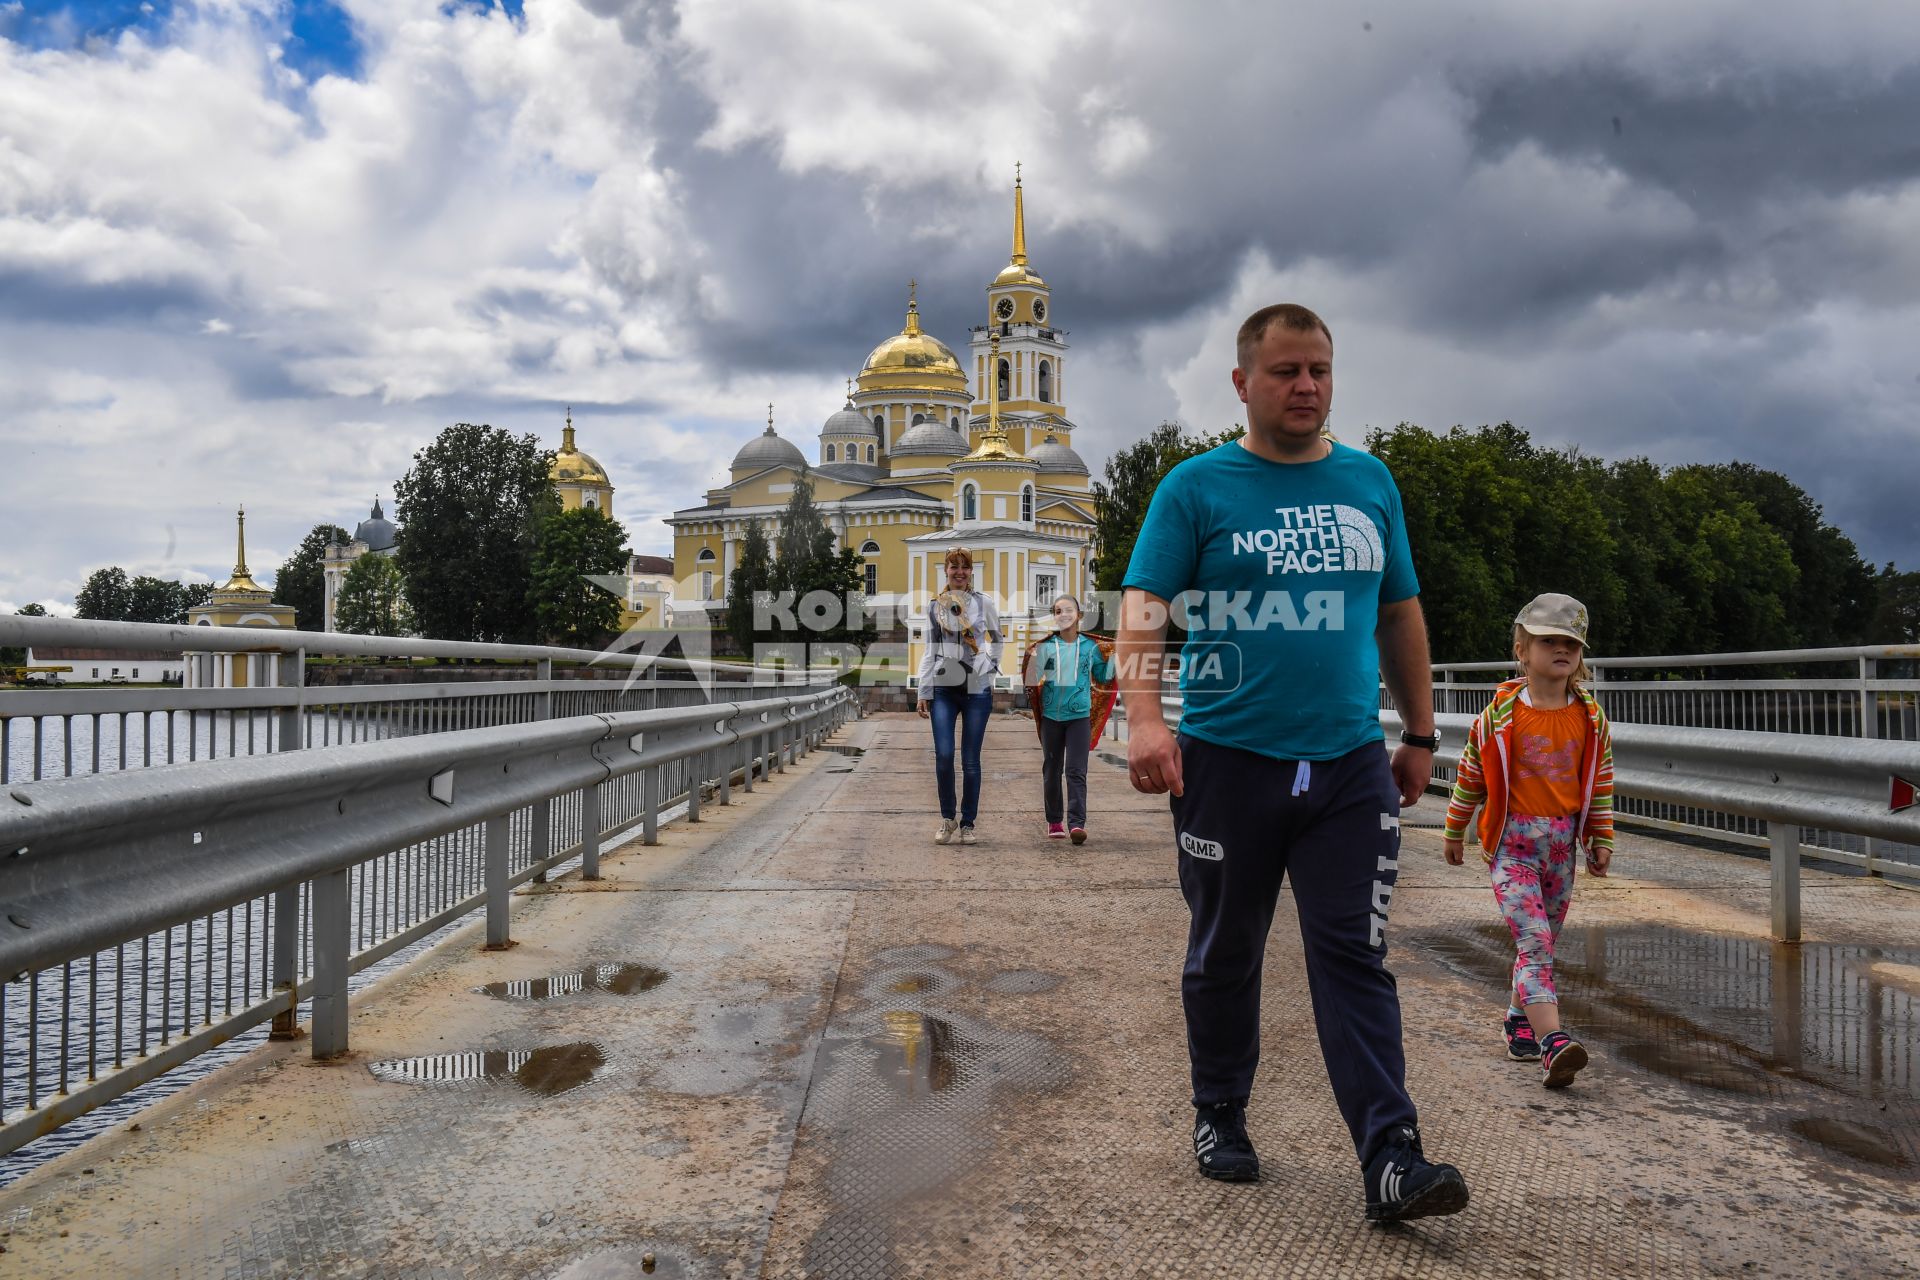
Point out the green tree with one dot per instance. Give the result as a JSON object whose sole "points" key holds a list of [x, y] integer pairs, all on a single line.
{"points": [[39, 611], [373, 599], [195, 594], [470, 511], [1896, 616], [752, 575], [106, 595], [573, 547], [301, 581], [155, 600], [1132, 476]]}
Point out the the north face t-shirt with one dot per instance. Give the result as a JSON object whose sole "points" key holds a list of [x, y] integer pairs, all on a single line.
{"points": [[1277, 571]]}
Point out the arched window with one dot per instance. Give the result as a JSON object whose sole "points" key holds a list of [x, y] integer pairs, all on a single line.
{"points": [[1006, 380], [705, 556], [880, 423], [1046, 381], [969, 503], [869, 453], [919, 418], [1026, 504], [869, 548], [590, 504], [829, 453], [956, 423]]}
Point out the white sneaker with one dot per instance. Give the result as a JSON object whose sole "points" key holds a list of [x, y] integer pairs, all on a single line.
{"points": [[947, 827], [966, 835]]}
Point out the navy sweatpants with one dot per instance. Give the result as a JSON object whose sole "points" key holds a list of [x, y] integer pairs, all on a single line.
{"points": [[1332, 828]]}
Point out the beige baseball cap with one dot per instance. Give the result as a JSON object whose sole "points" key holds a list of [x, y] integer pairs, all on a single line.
{"points": [[1553, 614]]}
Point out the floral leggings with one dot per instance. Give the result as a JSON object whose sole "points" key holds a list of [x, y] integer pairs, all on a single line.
{"points": [[1533, 883]]}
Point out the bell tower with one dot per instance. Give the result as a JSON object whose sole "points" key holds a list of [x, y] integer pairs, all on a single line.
{"points": [[1026, 373]]}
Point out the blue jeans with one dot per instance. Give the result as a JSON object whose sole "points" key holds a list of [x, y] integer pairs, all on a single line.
{"points": [[945, 705]]}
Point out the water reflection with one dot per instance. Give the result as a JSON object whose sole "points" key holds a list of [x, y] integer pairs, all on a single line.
{"points": [[547, 1071], [619, 979]]}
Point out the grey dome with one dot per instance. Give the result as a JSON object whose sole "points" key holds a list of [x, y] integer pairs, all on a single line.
{"points": [[376, 531], [931, 437], [1057, 459], [768, 450], [849, 422]]}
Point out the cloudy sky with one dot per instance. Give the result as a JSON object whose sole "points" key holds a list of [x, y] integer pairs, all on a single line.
{"points": [[259, 251]]}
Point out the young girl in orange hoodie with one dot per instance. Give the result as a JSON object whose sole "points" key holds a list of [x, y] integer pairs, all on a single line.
{"points": [[1540, 759]]}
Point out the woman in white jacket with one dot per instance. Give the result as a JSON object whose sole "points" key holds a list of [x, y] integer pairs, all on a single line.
{"points": [[964, 643]]}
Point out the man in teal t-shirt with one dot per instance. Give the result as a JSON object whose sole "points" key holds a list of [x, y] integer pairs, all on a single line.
{"points": [[1284, 556]]}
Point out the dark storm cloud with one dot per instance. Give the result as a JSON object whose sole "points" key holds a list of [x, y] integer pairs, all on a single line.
{"points": [[64, 296], [1719, 142]]}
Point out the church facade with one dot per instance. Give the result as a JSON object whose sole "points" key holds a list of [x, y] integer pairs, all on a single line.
{"points": [[930, 451]]}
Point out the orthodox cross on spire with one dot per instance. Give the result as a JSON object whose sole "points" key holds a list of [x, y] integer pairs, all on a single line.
{"points": [[769, 417], [566, 436], [913, 308], [1019, 221]]}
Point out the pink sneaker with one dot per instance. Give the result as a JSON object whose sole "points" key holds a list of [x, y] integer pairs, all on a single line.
{"points": [[1056, 831], [1079, 835]]}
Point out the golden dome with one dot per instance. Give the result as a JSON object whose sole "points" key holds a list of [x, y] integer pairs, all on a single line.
{"points": [[912, 359], [1016, 273], [572, 467]]}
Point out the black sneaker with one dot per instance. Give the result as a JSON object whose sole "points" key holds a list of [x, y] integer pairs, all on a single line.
{"points": [[1522, 1046], [1221, 1145], [1561, 1057], [1402, 1185]]}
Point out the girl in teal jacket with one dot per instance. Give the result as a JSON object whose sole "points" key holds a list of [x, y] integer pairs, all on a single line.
{"points": [[1065, 665]]}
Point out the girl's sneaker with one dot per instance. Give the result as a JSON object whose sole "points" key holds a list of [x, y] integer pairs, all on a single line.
{"points": [[1056, 831], [947, 827], [1079, 835], [1521, 1044], [1561, 1057]]}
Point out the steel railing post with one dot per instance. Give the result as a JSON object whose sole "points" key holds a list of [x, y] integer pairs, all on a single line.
{"points": [[540, 836], [1869, 728], [286, 960], [1783, 839], [590, 831], [499, 899], [650, 798], [746, 761], [543, 701], [289, 735], [725, 756], [332, 945], [697, 776]]}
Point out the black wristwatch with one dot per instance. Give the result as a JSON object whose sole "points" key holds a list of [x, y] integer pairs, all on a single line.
{"points": [[1415, 740]]}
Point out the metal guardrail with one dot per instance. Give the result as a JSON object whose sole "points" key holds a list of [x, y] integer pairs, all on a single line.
{"points": [[250, 884], [1790, 782], [64, 732], [1865, 698]]}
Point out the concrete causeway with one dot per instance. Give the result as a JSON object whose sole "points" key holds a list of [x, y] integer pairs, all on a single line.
{"points": [[799, 1039]]}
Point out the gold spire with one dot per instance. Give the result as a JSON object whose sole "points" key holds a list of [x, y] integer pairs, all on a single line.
{"points": [[566, 436], [242, 580], [913, 309], [1019, 221], [1016, 272], [994, 445]]}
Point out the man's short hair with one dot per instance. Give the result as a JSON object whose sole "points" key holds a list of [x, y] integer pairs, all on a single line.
{"points": [[1287, 315]]}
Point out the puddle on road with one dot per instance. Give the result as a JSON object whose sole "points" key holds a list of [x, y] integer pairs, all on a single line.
{"points": [[843, 751], [620, 979], [1738, 1015], [1861, 1141], [548, 1071], [918, 1054], [621, 1264]]}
